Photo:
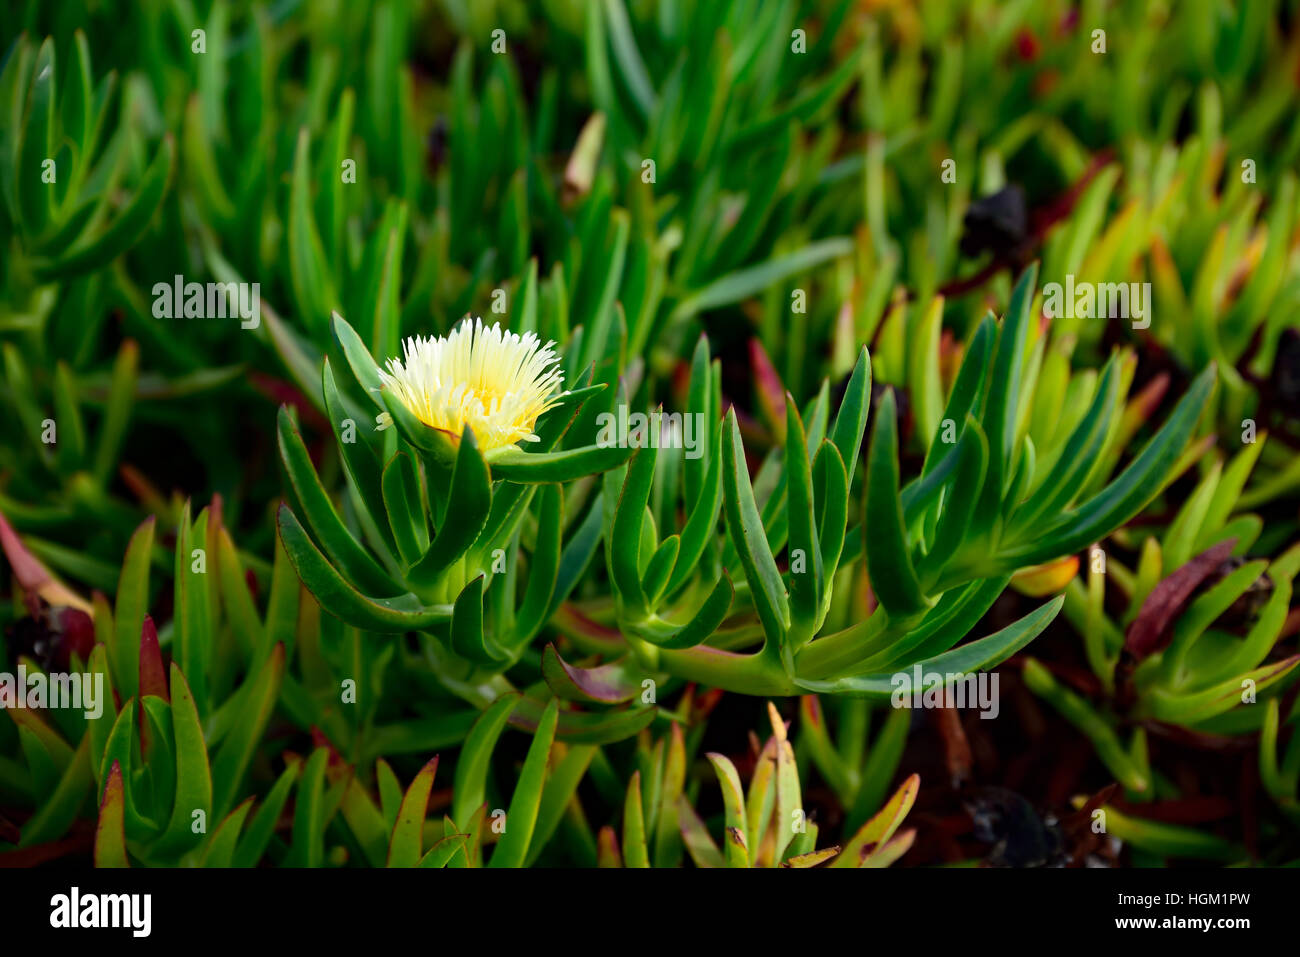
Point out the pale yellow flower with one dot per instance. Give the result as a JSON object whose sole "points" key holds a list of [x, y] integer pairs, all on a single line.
{"points": [[494, 381]]}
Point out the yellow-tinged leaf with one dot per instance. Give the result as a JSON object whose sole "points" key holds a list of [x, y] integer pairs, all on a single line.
{"points": [[880, 828], [735, 844], [1046, 579], [813, 858], [405, 845], [634, 839], [891, 850], [110, 833]]}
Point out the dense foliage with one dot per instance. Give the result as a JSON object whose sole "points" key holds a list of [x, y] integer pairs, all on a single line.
{"points": [[815, 414]]}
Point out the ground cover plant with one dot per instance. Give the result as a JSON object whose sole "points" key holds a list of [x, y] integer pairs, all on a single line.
{"points": [[680, 434]]}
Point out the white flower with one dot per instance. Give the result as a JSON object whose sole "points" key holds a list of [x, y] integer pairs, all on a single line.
{"points": [[494, 381]]}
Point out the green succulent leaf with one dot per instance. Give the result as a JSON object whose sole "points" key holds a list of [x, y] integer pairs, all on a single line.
{"points": [[1124, 497], [515, 465], [110, 832], [126, 228], [468, 635], [336, 541], [338, 596], [193, 774], [521, 818], [966, 659], [746, 529], [889, 559], [405, 848], [472, 767]]}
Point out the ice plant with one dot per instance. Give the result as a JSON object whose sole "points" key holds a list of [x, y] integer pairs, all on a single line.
{"points": [[145, 763], [1279, 761], [442, 510], [494, 382], [765, 825], [486, 566], [938, 550], [1200, 644]]}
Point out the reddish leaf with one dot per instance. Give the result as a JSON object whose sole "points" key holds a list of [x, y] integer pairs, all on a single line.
{"points": [[1148, 400], [771, 393], [281, 392], [78, 630], [336, 762], [1150, 631], [607, 852], [956, 746], [33, 577], [612, 683], [810, 709], [1200, 809], [153, 675]]}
